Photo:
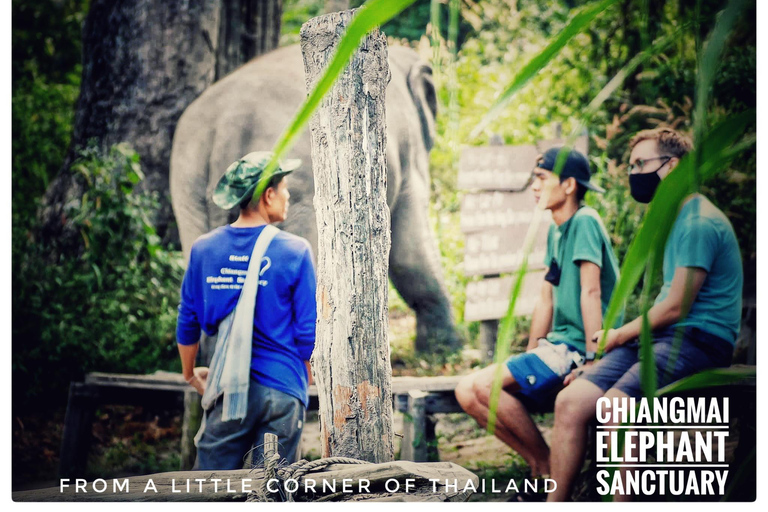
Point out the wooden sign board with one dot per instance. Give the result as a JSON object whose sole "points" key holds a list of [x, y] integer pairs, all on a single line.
{"points": [[496, 167], [504, 167], [489, 299], [500, 250], [489, 210]]}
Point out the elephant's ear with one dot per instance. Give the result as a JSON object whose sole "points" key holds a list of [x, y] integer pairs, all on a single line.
{"points": [[422, 89]]}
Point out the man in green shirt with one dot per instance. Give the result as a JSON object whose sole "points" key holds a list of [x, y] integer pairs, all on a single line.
{"points": [[702, 267], [581, 273]]}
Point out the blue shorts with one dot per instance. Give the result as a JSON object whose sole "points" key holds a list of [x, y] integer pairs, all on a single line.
{"points": [[698, 350], [540, 372]]}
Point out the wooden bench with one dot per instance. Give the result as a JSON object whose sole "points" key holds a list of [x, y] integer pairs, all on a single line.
{"points": [[417, 397]]}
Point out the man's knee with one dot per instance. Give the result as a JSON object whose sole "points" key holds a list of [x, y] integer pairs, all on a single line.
{"points": [[576, 403], [464, 391]]}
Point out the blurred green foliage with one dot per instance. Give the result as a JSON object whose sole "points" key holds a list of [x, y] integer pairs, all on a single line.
{"points": [[112, 307], [46, 47]]}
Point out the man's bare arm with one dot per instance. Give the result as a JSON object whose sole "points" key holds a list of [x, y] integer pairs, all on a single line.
{"points": [[674, 307], [591, 307], [195, 377], [541, 320]]}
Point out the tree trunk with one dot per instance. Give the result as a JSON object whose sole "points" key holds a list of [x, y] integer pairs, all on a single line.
{"points": [[144, 62], [348, 138], [248, 28]]}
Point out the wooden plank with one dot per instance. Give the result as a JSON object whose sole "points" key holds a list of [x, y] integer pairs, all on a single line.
{"points": [[488, 299], [499, 167], [496, 167], [436, 402], [500, 250], [482, 211], [235, 485]]}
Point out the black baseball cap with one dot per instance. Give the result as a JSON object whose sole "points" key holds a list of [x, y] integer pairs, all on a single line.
{"points": [[576, 166]]}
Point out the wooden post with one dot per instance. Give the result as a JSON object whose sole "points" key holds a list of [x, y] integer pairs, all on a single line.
{"points": [[193, 415], [414, 445], [348, 139], [78, 424], [270, 445], [489, 329]]}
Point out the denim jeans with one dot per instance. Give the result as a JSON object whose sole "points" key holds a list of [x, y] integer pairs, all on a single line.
{"points": [[224, 444]]}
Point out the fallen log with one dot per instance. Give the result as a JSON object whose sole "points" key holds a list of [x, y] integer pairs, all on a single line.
{"points": [[389, 481]]}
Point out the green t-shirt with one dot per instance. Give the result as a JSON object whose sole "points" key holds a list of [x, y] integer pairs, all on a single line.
{"points": [[581, 238], [702, 237]]}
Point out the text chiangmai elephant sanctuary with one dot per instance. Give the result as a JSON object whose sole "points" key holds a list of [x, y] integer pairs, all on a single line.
{"points": [[248, 110]]}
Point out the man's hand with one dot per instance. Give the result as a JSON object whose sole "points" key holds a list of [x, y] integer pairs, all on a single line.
{"points": [[612, 339], [199, 379], [576, 373]]}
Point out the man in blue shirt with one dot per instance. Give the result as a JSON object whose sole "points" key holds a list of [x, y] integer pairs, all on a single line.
{"points": [[283, 318], [701, 268]]}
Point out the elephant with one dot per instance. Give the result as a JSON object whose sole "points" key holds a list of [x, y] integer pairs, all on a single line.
{"points": [[248, 110]]}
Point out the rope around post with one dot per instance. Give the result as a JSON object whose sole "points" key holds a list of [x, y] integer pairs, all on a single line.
{"points": [[295, 471]]}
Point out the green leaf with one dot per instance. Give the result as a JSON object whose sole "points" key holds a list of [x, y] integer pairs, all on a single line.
{"points": [[371, 15], [713, 377], [578, 23]]}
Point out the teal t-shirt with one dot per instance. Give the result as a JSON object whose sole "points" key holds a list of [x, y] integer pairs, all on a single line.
{"points": [[581, 238], [702, 237]]}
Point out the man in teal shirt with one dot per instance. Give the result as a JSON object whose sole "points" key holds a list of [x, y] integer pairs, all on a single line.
{"points": [[581, 273], [702, 267]]}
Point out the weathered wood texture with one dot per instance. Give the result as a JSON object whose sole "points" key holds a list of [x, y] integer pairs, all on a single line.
{"points": [[348, 140], [144, 62], [414, 445], [193, 416], [248, 28], [428, 481]]}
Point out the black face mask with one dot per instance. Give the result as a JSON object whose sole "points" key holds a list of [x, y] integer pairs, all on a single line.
{"points": [[643, 186], [553, 276]]}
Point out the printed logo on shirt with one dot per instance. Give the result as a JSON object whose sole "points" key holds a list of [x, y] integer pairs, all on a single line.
{"points": [[265, 259], [234, 278]]}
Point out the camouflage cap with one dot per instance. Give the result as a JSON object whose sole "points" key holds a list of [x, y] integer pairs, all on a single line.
{"points": [[243, 176]]}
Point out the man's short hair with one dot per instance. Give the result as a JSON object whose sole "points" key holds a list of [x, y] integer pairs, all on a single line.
{"points": [[273, 183], [671, 142]]}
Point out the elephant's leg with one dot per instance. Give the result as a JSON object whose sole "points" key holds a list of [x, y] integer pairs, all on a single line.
{"points": [[415, 270]]}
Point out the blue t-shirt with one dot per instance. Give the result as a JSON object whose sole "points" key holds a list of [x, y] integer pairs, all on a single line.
{"points": [[581, 238], [702, 237], [284, 320]]}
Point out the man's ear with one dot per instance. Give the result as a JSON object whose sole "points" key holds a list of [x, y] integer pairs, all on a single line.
{"points": [[670, 167], [570, 185]]}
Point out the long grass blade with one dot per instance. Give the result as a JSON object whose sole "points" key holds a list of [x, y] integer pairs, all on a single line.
{"points": [[579, 21], [435, 39], [712, 377], [371, 15]]}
